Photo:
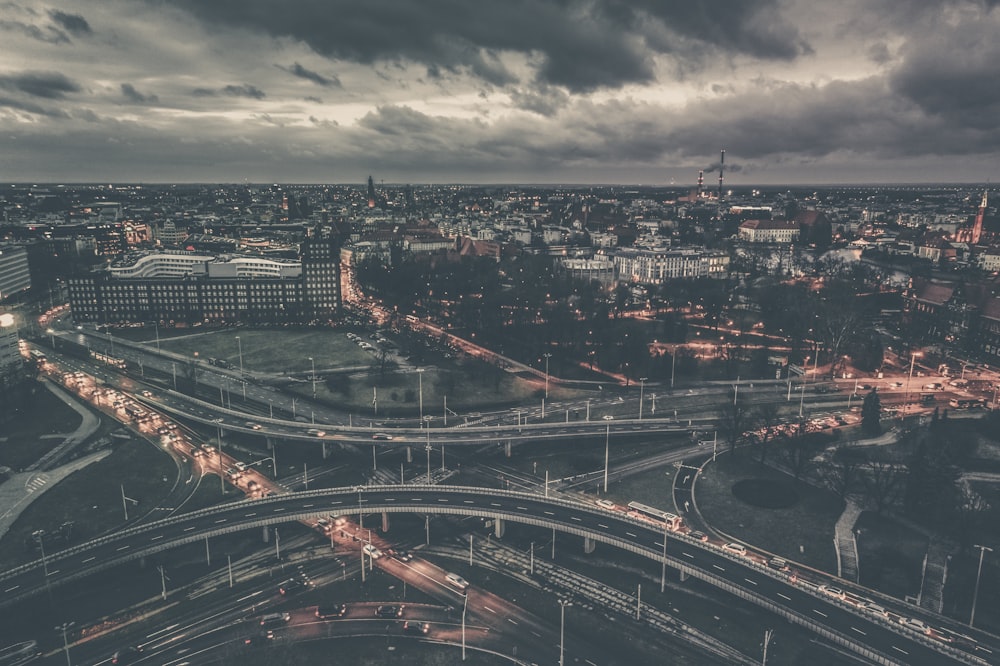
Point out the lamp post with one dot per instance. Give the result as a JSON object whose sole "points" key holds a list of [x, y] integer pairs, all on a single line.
{"points": [[979, 572], [239, 346], [63, 627], [222, 476], [562, 627], [642, 388], [547, 356], [420, 392], [313, 376], [913, 359], [607, 448], [465, 606]]}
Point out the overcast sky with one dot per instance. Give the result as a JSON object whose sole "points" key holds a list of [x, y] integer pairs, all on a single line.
{"points": [[489, 91]]}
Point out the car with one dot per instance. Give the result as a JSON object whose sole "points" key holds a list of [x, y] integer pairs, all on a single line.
{"points": [[381, 436], [933, 386], [698, 536], [606, 504], [292, 586], [915, 624], [897, 384], [254, 426], [421, 628], [875, 608], [389, 610], [457, 581], [404, 556], [127, 656], [264, 637], [608, 417], [835, 592], [315, 432], [779, 563], [233, 473], [330, 610], [146, 394], [272, 619], [374, 552], [324, 525], [240, 465], [737, 548]]}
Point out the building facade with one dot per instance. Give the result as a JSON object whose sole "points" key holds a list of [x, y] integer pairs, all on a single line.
{"points": [[655, 266], [184, 289], [14, 274], [769, 231]]}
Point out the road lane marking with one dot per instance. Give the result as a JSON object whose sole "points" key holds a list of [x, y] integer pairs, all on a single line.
{"points": [[786, 598], [120, 548], [308, 506], [820, 613], [900, 649], [718, 567], [249, 515], [512, 622], [159, 536], [188, 529], [603, 525], [443, 499], [337, 502], [220, 520], [390, 499], [280, 508], [489, 609], [548, 513], [90, 559], [11, 589], [752, 582], [631, 534], [574, 518], [495, 504], [859, 631], [467, 502], [687, 554], [523, 508]]}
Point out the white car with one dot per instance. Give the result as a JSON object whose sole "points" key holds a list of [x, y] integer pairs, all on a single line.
{"points": [[737, 548], [457, 581], [372, 551], [915, 624]]}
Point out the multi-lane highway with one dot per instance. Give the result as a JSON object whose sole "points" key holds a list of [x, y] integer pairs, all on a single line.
{"points": [[879, 637]]}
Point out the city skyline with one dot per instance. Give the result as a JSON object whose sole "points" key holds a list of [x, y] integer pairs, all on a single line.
{"points": [[546, 92]]}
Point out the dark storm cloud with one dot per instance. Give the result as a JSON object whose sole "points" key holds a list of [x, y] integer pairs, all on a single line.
{"points": [[244, 90], [580, 44], [543, 100], [48, 34], [74, 24], [50, 85], [30, 107], [952, 73], [136, 97], [309, 75]]}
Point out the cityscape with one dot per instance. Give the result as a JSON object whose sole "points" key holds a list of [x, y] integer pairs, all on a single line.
{"points": [[573, 333]]}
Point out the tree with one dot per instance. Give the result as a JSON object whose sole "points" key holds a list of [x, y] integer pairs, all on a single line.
{"points": [[871, 414], [842, 472], [735, 419], [767, 418], [883, 481]]}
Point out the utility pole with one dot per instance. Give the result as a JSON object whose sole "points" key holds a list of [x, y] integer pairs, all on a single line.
{"points": [[979, 572], [63, 627], [768, 635]]}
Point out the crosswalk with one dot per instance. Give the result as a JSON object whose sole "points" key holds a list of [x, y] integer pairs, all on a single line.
{"points": [[36, 482]]}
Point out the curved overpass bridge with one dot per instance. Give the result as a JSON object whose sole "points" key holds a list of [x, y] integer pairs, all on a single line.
{"points": [[875, 638]]}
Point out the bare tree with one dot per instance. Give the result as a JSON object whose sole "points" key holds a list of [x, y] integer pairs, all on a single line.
{"points": [[767, 419], [883, 483], [842, 473]]}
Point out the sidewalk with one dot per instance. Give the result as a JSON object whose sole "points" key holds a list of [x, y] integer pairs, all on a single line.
{"points": [[88, 426], [847, 546]]}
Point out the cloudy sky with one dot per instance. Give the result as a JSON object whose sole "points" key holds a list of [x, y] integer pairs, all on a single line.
{"points": [[514, 91]]}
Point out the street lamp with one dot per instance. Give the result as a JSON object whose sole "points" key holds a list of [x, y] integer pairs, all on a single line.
{"points": [[913, 359], [562, 627], [313, 376], [979, 572], [63, 627], [420, 391], [642, 388], [465, 606], [547, 356], [239, 346]]}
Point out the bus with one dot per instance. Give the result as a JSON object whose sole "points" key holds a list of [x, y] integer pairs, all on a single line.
{"points": [[638, 510], [107, 359], [966, 403], [38, 355]]}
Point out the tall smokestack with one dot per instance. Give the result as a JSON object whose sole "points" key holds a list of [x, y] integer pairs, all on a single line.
{"points": [[722, 166], [701, 181]]}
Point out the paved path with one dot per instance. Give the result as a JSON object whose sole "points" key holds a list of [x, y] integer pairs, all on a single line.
{"points": [[89, 424], [847, 546], [931, 595], [18, 491]]}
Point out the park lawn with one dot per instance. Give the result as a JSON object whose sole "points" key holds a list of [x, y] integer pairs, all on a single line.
{"points": [[803, 532], [890, 555], [45, 414], [283, 351], [92, 498]]}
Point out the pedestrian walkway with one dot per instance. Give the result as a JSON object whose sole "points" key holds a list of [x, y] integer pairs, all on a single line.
{"points": [[89, 423], [935, 575], [847, 545]]}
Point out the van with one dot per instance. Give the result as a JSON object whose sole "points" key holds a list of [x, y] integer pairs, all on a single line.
{"points": [[272, 619], [778, 563], [457, 581]]}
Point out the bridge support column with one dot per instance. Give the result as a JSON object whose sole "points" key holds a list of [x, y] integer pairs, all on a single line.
{"points": [[326, 453], [683, 576], [589, 545], [385, 521], [265, 534], [498, 527], [506, 448], [409, 454]]}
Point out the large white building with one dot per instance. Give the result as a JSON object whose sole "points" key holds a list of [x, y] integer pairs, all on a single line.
{"points": [[769, 231], [181, 264], [14, 275], [655, 266]]}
